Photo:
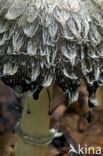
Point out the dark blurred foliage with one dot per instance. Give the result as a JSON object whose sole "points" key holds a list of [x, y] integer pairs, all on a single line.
{"points": [[10, 109], [68, 119]]}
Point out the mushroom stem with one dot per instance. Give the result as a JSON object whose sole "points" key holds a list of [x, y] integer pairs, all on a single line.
{"points": [[35, 122]]}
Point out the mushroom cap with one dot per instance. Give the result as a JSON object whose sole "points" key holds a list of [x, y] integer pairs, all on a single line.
{"points": [[46, 40]]}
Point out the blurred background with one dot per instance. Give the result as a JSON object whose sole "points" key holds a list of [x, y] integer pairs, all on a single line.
{"points": [[78, 123]]}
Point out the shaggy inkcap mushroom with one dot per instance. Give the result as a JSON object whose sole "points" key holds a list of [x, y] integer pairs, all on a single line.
{"points": [[42, 41], [46, 40]]}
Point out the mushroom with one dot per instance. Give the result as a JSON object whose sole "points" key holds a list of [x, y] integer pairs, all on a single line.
{"points": [[42, 41]]}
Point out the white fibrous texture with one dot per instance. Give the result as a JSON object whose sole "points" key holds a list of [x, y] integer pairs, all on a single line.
{"points": [[46, 40]]}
